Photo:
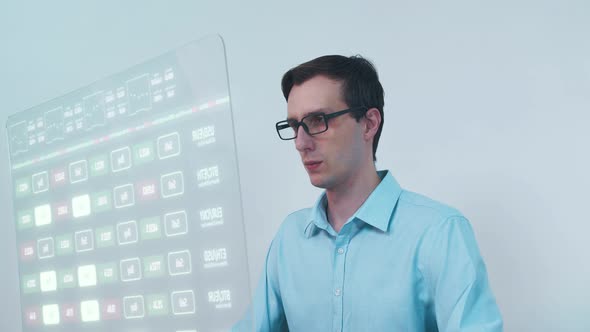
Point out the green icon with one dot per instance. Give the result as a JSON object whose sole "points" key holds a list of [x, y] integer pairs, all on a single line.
{"points": [[66, 278], [25, 219], [30, 283], [153, 266], [151, 228], [143, 153], [64, 244], [101, 201], [107, 273], [22, 187], [157, 304], [99, 165], [105, 236]]}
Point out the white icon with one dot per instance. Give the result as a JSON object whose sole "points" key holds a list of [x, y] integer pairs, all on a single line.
{"points": [[87, 275], [130, 269], [127, 232], [81, 206], [133, 307], [51, 314], [48, 281], [168, 145], [121, 159], [175, 223], [183, 302], [84, 240], [40, 182], [124, 196], [172, 184], [45, 248], [43, 215], [89, 311], [179, 262], [78, 171]]}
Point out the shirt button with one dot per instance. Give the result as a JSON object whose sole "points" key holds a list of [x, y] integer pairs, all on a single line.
{"points": [[337, 292], [340, 251]]}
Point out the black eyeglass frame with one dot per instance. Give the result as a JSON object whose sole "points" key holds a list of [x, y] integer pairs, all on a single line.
{"points": [[289, 123]]}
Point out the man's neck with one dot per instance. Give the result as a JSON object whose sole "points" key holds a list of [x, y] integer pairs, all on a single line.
{"points": [[346, 199]]}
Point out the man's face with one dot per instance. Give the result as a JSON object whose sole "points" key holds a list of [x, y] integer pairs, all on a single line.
{"points": [[333, 158]]}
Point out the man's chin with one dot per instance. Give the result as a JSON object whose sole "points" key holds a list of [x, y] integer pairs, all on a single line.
{"points": [[317, 181]]}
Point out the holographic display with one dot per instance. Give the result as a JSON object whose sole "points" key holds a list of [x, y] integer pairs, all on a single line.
{"points": [[127, 201]]}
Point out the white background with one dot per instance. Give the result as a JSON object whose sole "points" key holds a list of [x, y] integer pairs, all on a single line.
{"points": [[487, 108]]}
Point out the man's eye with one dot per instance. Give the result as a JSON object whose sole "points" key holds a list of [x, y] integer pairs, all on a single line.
{"points": [[315, 121], [293, 124]]}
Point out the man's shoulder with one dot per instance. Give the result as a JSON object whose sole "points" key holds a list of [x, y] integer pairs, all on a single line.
{"points": [[422, 207], [301, 214], [295, 221]]}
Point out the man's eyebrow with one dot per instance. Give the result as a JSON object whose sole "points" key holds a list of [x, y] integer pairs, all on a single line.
{"points": [[316, 112]]}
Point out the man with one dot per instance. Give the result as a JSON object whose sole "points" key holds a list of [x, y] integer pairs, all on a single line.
{"points": [[368, 256]]}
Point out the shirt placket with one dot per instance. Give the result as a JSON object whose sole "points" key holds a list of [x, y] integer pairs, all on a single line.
{"points": [[340, 250]]}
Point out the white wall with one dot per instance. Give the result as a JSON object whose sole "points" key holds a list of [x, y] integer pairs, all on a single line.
{"points": [[487, 109]]}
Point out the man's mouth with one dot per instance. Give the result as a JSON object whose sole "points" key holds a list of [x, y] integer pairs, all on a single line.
{"points": [[311, 165]]}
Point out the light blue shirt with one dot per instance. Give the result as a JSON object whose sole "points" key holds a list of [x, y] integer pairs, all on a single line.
{"points": [[402, 262]]}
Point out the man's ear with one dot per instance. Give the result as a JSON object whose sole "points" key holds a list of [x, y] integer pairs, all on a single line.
{"points": [[372, 122]]}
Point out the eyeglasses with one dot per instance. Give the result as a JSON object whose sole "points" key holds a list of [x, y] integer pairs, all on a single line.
{"points": [[313, 124]]}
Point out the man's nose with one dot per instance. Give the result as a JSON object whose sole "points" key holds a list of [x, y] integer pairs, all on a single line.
{"points": [[303, 141]]}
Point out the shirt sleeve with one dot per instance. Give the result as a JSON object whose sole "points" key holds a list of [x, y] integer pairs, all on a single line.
{"points": [[457, 280], [266, 312]]}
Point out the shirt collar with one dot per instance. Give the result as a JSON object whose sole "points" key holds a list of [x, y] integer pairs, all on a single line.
{"points": [[375, 211]]}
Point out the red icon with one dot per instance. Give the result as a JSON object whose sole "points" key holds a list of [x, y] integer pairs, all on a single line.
{"points": [[69, 313], [58, 177], [111, 309], [33, 316], [147, 190], [62, 210], [27, 251]]}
